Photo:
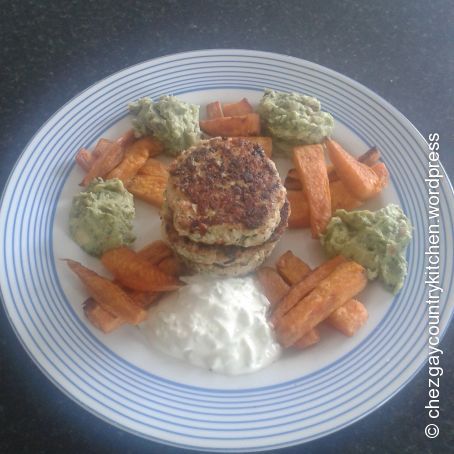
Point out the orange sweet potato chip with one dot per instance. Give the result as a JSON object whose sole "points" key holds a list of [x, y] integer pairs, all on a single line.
{"points": [[150, 182], [243, 125], [135, 157], [237, 108], [359, 179], [155, 252], [310, 164], [110, 296], [135, 272]]}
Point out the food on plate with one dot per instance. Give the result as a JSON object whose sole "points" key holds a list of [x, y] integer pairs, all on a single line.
{"points": [[300, 214], [348, 318], [234, 109], [312, 337], [299, 210], [341, 198], [156, 253], [150, 182], [370, 157], [342, 284], [242, 107], [84, 159], [173, 122], [274, 287], [217, 324], [241, 125], [340, 194], [135, 157], [223, 209], [310, 164], [292, 268], [293, 119], [216, 259], [225, 191], [137, 273], [214, 110], [265, 142], [224, 197], [103, 163], [101, 216], [304, 287], [100, 318], [109, 295], [173, 266], [376, 239], [359, 179]]}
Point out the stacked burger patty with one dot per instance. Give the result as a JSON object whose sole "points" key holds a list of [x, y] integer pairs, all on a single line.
{"points": [[225, 207]]}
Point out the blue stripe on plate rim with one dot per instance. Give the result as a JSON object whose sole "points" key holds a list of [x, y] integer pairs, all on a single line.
{"points": [[235, 84]]}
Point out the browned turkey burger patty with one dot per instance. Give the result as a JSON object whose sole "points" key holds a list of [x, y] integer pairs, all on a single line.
{"points": [[221, 255], [225, 192]]}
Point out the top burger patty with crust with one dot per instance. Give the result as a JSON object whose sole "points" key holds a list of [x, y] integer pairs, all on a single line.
{"points": [[225, 191]]}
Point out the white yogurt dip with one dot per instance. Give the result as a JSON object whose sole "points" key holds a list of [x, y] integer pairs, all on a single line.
{"points": [[217, 324]]}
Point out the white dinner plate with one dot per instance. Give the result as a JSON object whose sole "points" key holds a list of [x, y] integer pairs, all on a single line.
{"points": [[123, 380]]}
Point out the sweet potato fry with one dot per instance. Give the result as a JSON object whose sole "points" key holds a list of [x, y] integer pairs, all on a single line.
{"points": [[127, 138], [359, 179], [299, 210], [104, 163], [237, 108], [150, 182], [154, 168], [292, 268], [244, 125], [292, 184], [310, 164], [382, 173], [143, 299], [214, 110], [172, 266], [345, 282], [310, 338], [137, 273], [341, 197], [135, 157], [84, 159], [107, 322], [274, 287], [155, 252], [109, 295], [148, 189], [265, 142], [349, 318], [99, 317], [304, 287], [370, 157]]}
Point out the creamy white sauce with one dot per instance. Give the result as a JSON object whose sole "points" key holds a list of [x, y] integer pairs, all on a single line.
{"points": [[217, 324]]}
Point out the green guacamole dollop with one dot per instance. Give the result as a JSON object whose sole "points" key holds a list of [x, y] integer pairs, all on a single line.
{"points": [[375, 239], [101, 216], [293, 119], [175, 123]]}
